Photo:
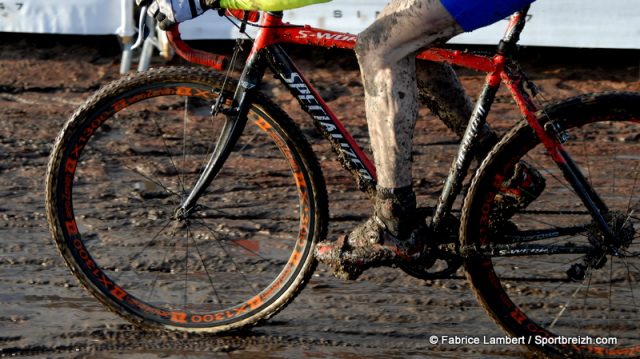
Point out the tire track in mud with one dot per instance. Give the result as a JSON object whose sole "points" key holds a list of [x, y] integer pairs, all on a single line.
{"points": [[132, 340]]}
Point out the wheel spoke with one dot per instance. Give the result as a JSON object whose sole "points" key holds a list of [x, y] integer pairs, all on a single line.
{"points": [[565, 306], [237, 257], [206, 269], [226, 240], [168, 154], [148, 244], [600, 304], [186, 267]]}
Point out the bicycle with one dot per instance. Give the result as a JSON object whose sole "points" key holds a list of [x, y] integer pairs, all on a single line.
{"points": [[225, 228]]}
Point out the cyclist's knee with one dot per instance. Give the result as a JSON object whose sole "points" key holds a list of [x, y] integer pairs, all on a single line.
{"points": [[368, 61], [371, 52], [364, 44]]}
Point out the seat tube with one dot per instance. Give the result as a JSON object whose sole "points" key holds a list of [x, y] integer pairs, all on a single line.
{"points": [[462, 162]]}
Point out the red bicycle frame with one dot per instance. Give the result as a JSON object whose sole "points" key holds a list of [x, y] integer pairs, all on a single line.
{"points": [[266, 51]]}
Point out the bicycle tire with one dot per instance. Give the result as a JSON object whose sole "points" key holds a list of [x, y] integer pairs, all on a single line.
{"points": [[542, 298], [123, 163]]}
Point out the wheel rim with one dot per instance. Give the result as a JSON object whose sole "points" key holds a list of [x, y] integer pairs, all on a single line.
{"points": [[233, 257], [595, 312]]}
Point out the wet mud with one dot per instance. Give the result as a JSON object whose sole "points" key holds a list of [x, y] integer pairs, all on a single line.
{"points": [[46, 313]]}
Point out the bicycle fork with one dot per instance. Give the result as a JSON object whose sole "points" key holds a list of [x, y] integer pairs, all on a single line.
{"points": [[236, 120]]}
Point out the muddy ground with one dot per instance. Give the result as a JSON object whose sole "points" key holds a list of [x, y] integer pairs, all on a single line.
{"points": [[45, 313]]}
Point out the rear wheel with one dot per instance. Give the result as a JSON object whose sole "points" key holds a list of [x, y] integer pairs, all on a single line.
{"points": [[125, 162], [576, 299]]}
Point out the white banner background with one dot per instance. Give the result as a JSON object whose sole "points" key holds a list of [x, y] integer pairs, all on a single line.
{"points": [[571, 23], [87, 17]]}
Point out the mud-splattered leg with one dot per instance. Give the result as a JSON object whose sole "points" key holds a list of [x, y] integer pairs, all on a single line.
{"points": [[441, 91], [395, 234], [386, 53]]}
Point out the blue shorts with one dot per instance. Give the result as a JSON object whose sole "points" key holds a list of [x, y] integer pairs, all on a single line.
{"points": [[474, 14]]}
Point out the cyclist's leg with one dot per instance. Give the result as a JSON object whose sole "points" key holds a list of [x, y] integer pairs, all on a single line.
{"points": [[441, 91], [386, 53]]}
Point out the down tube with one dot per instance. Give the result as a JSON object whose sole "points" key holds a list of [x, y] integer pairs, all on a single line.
{"points": [[350, 154]]}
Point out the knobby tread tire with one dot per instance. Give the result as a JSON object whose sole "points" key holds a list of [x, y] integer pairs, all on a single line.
{"points": [[295, 141], [569, 111]]}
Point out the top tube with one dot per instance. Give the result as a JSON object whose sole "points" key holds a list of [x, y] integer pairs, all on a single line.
{"points": [[273, 31]]}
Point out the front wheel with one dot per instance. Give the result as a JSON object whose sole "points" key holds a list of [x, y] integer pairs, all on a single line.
{"points": [[123, 165], [538, 273]]}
